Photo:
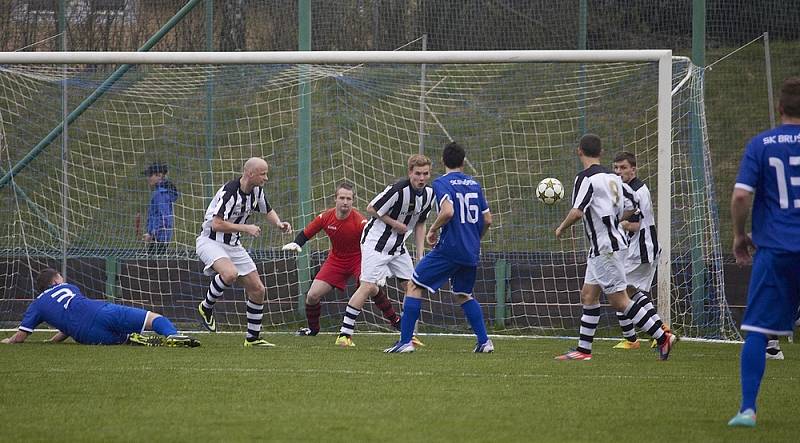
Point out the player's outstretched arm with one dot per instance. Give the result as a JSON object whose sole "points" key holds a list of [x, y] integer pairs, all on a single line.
{"points": [[306, 234], [487, 222], [419, 240], [573, 216], [18, 337], [743, 245], [275, 220], [58, 338], [444, 215]]}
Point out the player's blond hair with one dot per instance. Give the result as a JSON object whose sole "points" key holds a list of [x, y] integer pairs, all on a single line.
{"points": [[418, 160]]}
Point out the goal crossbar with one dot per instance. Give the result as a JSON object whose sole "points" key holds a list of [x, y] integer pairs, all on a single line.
{"points": [[333, 57]]}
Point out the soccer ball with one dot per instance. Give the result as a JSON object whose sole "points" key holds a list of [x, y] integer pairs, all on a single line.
{"points": [[549, 191]]}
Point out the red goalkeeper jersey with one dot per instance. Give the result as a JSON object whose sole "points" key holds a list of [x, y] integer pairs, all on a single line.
{"points": [[345, 234]]}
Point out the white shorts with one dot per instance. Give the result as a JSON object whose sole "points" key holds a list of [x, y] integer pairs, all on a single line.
{"points": [[640, 275], [607, 271], [209, 251], [376, 266]]}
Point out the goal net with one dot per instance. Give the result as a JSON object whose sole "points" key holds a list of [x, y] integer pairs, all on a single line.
{"points": [[79, 201]]}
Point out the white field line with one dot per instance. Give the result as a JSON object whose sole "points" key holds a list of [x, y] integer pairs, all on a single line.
{"points": [[444, 335]]}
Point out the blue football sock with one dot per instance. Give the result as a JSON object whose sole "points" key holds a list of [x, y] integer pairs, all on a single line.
{"points": [[162, 325], [411, 308], [472, 310], [752, 366]]}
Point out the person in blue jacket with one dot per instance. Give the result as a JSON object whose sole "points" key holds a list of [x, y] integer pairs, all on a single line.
{"points": [[160, 214]]}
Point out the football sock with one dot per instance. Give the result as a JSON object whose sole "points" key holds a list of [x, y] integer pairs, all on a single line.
{"points": [[773, 342], [472, 310], [645, 319], [753, 362], [255, 312], [642, 298], [385, 305], [162, 326], [626, 325], [589, 321], [411, 308], [312, 315], [215, 290], [349, 321]]}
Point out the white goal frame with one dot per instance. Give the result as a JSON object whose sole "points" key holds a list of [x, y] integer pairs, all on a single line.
{"points": [[662, 56]]}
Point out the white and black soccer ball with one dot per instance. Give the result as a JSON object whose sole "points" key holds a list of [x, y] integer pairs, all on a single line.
{"points": [[549, 191]]}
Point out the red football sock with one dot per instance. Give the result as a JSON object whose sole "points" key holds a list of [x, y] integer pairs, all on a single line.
{"points": [[312, 314], [385, 305]]}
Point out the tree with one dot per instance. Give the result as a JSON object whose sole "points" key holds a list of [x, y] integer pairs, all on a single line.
{"points": [[232, 29]]}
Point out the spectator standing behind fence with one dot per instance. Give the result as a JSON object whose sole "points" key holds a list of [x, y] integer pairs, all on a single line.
{"points": [[160, 214]]}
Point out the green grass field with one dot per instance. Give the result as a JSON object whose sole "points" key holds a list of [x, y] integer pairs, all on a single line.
{"points": [[307, 389]]}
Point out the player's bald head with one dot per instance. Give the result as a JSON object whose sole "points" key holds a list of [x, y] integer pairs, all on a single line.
{"points": [[253, 164]]}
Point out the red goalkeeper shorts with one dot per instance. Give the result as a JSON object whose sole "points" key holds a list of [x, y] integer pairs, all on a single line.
{"points": [[336, 271]]}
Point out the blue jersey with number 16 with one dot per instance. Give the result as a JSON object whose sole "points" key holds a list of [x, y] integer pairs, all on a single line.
{"points": [[461, 236], [771, 169]]}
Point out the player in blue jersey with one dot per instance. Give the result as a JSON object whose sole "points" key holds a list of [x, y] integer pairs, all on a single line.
{"points": [[464, 217], [92, 322], [770, 168]]}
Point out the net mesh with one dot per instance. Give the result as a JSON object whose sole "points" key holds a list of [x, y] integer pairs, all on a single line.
{"points": [[519, 122]]}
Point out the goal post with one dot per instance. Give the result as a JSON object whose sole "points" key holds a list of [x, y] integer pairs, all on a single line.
{"points": [[336, 57], [370, 120]]}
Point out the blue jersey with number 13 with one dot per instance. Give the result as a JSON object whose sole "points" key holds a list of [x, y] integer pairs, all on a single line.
{"points": [[771, 169], [461, 236]]}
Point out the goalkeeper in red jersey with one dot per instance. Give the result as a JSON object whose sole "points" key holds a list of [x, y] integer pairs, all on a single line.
{"points": [[343, 224]]}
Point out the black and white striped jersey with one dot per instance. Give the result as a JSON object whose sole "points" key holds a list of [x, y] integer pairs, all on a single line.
{"points": [[402, 203], [644, 247], [603, 198], [233, 205]]}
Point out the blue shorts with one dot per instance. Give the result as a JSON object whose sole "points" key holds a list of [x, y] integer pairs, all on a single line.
{"points": [[435, 269], [774, 293], [112, 324]]}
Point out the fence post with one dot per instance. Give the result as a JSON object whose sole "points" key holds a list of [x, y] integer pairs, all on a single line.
{"points": [[304, 151], [501, 280]]}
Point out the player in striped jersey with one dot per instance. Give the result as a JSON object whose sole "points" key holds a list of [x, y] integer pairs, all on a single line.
{"points": [[397, 211], [220, 249], [92, 322], [598, 199], [343, 224], [643, 250]]}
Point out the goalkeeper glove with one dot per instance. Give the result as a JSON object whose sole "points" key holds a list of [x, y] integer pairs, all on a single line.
{"points": [[291, 247]]}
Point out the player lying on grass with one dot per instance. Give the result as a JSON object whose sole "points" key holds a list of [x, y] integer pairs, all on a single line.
{"points": [[93, 322]]}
